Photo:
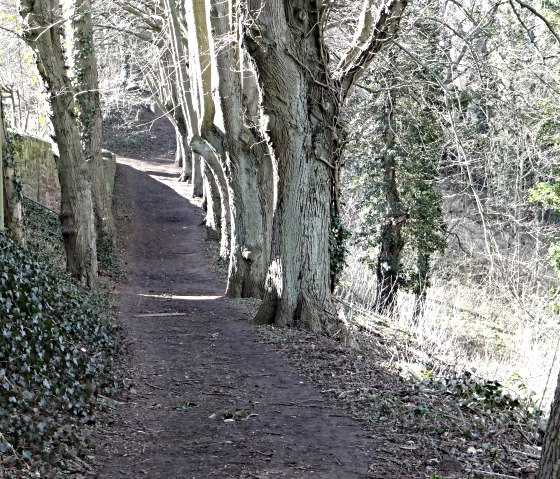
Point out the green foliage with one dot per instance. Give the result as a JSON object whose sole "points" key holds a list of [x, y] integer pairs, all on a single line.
{"points": [[411, 157], [55, 351], [548, 194], [480, 395], [338, 238]]}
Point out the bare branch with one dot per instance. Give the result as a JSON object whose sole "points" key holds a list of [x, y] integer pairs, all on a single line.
{"points": [[373, 33], [541, 17]]}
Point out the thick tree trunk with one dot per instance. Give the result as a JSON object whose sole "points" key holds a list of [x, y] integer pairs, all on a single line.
{"points": [[42, 31], [247, 161], [89, 106], [550, 458], [300, 112]]}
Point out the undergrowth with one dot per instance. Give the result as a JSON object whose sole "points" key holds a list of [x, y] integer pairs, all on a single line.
{"points": [[56, 349], [427, 420]]}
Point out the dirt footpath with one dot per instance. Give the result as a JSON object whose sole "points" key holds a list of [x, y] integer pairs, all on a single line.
{"points": [[205, 397]]}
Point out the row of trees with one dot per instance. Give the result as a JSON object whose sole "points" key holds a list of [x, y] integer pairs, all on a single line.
{"points": [[271, 140], [257, 92]]}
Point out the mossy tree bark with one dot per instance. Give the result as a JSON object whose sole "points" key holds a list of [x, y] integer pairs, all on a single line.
{"points": [[90, 119], [43, 33]]}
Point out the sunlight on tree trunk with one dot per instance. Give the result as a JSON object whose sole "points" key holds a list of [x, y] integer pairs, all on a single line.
{"points": [[89, 106], [42, 31]]}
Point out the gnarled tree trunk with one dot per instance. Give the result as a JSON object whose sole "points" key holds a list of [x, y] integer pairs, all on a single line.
{"points": [[301, 105], [42, 31], [300, 110]]}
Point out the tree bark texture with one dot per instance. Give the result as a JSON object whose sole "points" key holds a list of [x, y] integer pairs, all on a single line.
{"points": [[391, 242], [179, 151], [247, 161], [42, 31], [213, 205], [300, 115], [90, 118], [550, 458], [10, 194], [197, 189]]}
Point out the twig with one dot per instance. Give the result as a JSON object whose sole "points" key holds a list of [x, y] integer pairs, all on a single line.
{"points": [[543, 19], [495, 474], [154, 386], [324, 85]]}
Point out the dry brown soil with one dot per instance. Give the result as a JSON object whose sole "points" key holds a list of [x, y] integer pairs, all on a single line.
{"points": [[194, 358]]}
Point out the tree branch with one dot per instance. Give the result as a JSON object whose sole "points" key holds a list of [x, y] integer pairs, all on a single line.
{"points": [[373, 33], [541, 17]]}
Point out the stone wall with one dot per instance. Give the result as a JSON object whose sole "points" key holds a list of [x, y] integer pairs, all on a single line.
{"points": [[36, 166]]}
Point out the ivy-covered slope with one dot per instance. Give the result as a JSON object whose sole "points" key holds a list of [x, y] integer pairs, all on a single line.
{"points": [[55, 352]]}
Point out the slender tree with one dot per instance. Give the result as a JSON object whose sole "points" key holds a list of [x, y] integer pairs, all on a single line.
{"points": [[89, 107]]}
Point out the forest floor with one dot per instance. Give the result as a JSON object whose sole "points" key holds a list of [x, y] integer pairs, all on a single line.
{"points": [[207, 394]]}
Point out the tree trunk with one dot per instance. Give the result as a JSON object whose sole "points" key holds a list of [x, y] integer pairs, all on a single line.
{"points": [[247, 163], [550, 458], [90, 118], [3, 154], [391, 241], [42, 31], [10, 194], [213, 205], [188, 159], [179, 151], [197, 176], [300, 113], [185, 85], [212, 156]]}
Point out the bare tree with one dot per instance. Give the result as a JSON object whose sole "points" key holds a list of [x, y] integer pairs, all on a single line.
{"points": [[43, 23]]}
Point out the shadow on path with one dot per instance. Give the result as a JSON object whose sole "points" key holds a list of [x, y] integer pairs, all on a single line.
{"points": [[194, 355]]}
